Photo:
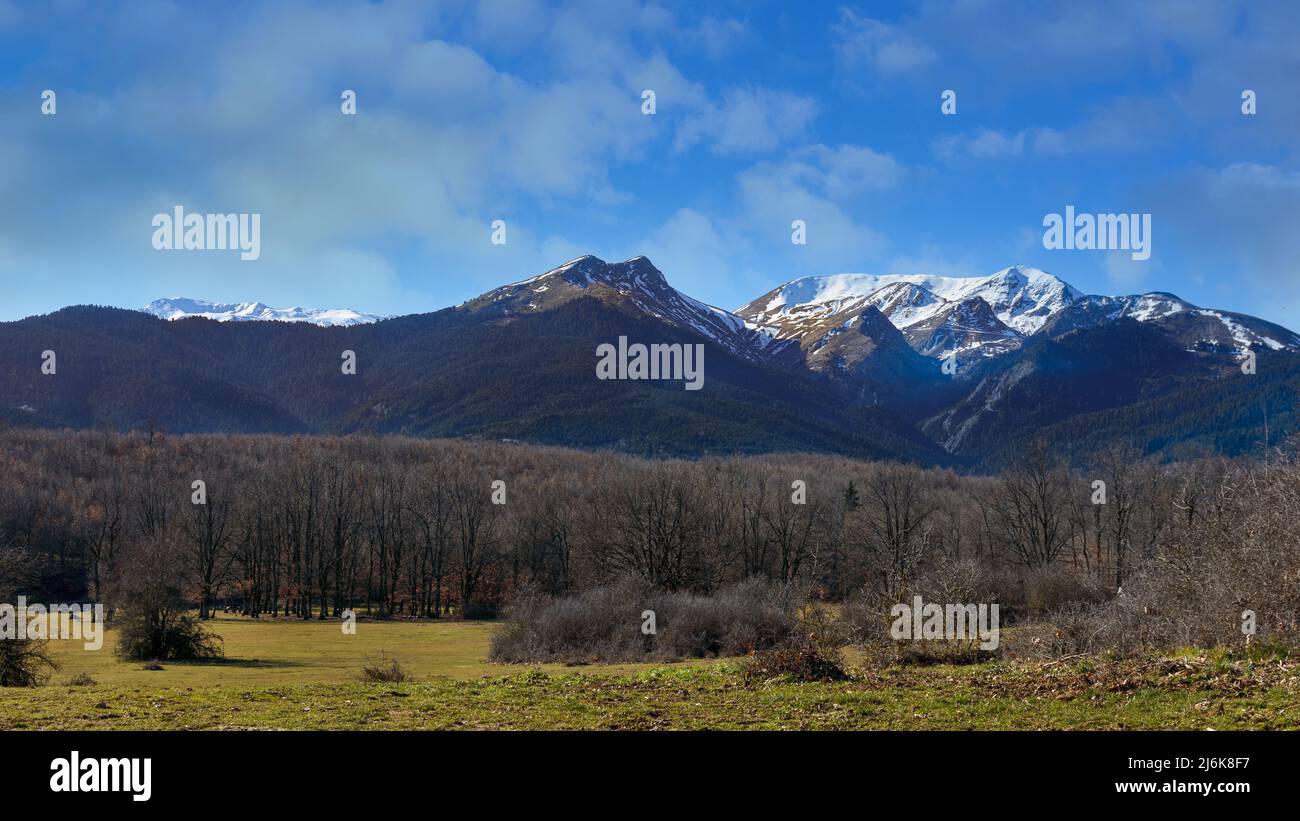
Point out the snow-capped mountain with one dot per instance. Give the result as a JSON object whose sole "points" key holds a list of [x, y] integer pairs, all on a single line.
{"points": [[939, 315], [1198, 329], [635, 282], [1021, 297], [791, 310], [182, 307], [981, 317]]}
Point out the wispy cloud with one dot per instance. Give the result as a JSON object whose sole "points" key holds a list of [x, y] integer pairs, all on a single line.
{"points": [[749, 120], [889, 49]]}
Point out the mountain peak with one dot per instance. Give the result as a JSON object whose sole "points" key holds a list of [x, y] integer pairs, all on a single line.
{"points": [[636, 269], [1021, 269], [1014, 274], [1022, 275], [872, 322], [634, 283], [588, 269], [1023, 297]]}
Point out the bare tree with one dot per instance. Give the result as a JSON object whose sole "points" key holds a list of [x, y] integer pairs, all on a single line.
{"points": [[474, 519], [102, 522], [208, 529], [651, 526], [1031, 508], [895, 510]]}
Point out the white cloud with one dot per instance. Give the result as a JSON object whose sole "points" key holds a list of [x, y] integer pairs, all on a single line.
{"points": [[841, 172], [1126, 124], [1027, 43], [593, 37], [774, 195], [715, 37], [749, 120], [712, 258], [889, 49], [1123, 124], [983, 144], [1244, 176]]}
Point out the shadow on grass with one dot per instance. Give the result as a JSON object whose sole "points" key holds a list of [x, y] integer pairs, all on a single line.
{"points": [[251, 664]]}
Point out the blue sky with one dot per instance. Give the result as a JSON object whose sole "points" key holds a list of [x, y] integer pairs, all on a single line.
{"points": [[531, 112]]}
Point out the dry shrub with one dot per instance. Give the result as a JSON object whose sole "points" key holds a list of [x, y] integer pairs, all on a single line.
{"points": [[943, 651], [1049, 589], [385, 670], [1158, 610], [809, 653], [866, 618], [604, 624]]}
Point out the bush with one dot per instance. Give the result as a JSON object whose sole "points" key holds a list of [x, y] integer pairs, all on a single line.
{"points": [[605, 624], [163, 634], [1081, 628], [1193, 594], [1048, 590], [25, 662], [82, 680], [385, 670], [866, 618], [810, 653]]}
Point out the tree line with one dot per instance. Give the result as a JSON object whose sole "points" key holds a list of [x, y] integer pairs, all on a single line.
{"points": [[311, 526]]}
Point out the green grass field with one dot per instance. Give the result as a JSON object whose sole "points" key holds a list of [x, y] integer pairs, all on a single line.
{"points": [[295, 675]]}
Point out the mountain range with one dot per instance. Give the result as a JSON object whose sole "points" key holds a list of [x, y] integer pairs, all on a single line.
{"points": [[962, 371], [181, 307]]}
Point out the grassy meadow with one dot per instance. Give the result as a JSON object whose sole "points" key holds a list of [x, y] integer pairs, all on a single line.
{"points": [[305, 675]]}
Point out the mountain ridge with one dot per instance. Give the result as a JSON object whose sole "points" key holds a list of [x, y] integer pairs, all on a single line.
{"points": [[933, 311], [854, 368]]}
